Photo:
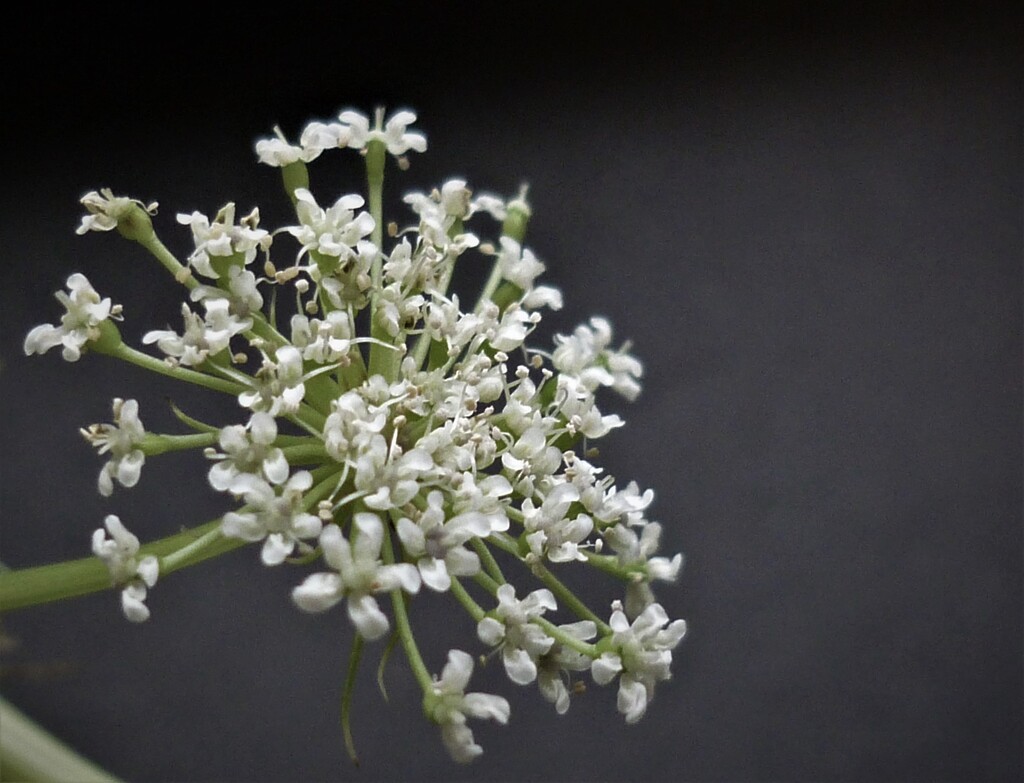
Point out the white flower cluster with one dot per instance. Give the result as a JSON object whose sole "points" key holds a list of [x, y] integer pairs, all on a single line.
{"points": [[397, 437]]}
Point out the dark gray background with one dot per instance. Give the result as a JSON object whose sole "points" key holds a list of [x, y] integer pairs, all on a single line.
{"points": [[807, 220]]}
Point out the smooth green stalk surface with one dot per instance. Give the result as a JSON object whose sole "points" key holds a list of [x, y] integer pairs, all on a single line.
{"points": [[30, 754]]}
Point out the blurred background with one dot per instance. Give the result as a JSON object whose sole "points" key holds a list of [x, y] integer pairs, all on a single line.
{"points": [[806, 218]]}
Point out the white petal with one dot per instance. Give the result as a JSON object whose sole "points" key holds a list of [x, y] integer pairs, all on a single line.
{"points": [[463, 527], [456, 673], [318, 592], [518, 666], [553, 689], [104, 482], [367, 617], [276, 548], [132, 603], [462, 562], [411, 536], [335, 546], [536, 602], [458, 741], [275, 467], [632, 699], [369, 536], [129, 468], [263, 428], [306, 525], [485, 705], [604, 668], [148, 570], [418, 460], [435, 574], [222, 475], [490, 631], [404, 575], [243, 526]]}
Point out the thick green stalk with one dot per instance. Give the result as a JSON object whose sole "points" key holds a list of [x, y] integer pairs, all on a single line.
{"points": [[30, 753], [23, 587], [383, 360]]}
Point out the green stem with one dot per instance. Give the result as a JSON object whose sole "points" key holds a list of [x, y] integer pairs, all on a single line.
{"points": [[487, 558], [156, 365], [568, 597], [210, 544], [412, 652], [486, 583], [355, 656], [305, 453], [514, 227], [29, 753], [464, 598], [161, 444], [611, 566], [180, 272], [568, 640], [489, 287]]}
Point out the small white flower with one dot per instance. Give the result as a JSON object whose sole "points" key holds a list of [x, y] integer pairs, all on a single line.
{"points": [[449, 705], [279, 386], [121, 440], [335, 231], [240, 289], [394, 133], [277, 520], [637, 551], [324, 341], [319, 136], [248, 449], [104, 210], [202, 337], [390, 479], [120, 554], [80, 324], [436, 543], [508, 626], [518, 264], [643, 656], [223, 239], [585, 354], [278, 152], [358, 574], [550, 532], [554, 667]]}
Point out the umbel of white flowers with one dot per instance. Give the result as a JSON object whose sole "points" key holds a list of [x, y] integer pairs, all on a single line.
{"points": [[389, 434]]}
